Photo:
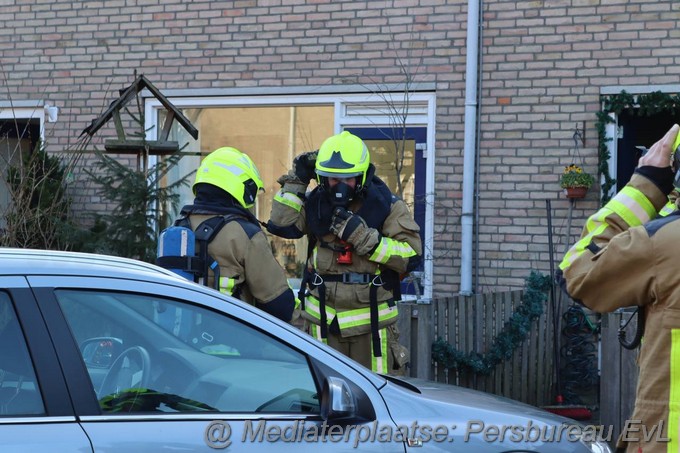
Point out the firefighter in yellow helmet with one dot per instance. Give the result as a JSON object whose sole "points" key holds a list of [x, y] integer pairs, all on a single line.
{"points": [[361, 239], [626, 257], [226, 185]]}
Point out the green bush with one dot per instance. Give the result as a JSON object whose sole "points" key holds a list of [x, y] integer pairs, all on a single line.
{"points": [[38, 214], [130, 229]]}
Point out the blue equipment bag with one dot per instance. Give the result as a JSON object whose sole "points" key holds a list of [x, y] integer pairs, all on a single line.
{"points": [[178, 241], [177, 249]]}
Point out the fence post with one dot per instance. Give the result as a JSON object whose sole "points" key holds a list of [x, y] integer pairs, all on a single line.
{"points": [[425, 321], [441, 374], [405, 334], [618, 378]]}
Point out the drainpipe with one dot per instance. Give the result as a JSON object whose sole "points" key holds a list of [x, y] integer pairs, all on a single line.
{"points": [[469, 147]]}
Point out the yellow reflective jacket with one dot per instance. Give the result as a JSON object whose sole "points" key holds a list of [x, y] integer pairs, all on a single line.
{"points": [[246, 263], [624, 258], [349, 303]]}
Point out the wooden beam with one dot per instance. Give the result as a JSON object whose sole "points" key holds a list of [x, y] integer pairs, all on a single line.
{"points": [[186, 124], [126, 96], [120, 131], [156, 148], [167, 125]]}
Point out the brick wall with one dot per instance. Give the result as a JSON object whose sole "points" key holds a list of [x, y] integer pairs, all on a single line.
{"points": [[543, 65]]}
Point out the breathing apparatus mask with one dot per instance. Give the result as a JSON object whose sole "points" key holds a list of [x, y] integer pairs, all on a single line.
{"points": [[340, 194]]}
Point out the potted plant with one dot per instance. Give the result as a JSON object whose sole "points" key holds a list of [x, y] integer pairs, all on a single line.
{"points": [[575, 181]]}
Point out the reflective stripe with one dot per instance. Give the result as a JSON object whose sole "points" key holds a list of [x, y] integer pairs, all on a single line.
{"points": [[230, 168], [380, 254], [316, 333], [670, 207], [362, 316], [350, 318], [313, 308], [227, 285], [297, 300], [674, 394], [379, 364], [289, 199], [595, 225], [632, 206], [389, 247]]}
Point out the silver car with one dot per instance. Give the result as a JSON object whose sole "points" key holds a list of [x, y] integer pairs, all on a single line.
{"points": [[113, 355]]}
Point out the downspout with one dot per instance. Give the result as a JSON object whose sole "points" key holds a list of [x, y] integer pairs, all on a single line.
{"points": [[469, 147], [480, 63]]}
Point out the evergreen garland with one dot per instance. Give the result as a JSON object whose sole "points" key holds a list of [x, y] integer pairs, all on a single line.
{"points": [[604, 155], [514, 332], [644, 105]]}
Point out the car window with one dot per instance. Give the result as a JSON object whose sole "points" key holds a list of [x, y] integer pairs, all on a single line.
{"points": [[19, 391], [150, 354]]}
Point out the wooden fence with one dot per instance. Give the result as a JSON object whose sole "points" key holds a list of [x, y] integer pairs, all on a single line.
{"points": [[619, 372], [470, 323]]}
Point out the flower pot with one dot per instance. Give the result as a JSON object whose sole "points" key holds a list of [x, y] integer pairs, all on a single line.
{"points": [[576, 192]]}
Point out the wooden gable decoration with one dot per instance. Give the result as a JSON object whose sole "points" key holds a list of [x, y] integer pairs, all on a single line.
{"points": [[122, 145]]}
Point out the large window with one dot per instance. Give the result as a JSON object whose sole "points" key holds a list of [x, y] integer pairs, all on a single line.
{"points": [[272, 130], [272, 137]]}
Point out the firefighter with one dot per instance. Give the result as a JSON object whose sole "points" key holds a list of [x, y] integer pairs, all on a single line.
{"points": [[227, 183], [361, 239], [673, 199], [624, 258]]}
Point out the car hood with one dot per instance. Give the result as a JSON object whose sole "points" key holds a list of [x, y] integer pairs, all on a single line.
{"points": [[473, 418], [437, 392]]}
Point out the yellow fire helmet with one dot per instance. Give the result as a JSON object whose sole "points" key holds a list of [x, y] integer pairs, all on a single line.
{"points": [[232, 171], [342, 156]]}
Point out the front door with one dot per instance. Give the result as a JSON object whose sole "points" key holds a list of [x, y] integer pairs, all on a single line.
{"points": [[638, 131]]}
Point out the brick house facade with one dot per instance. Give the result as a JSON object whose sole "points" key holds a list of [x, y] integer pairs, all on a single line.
{"points": [[544, 66]]}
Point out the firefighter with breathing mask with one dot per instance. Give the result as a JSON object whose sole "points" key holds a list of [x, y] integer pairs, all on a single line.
{"points": [[361, 239]]}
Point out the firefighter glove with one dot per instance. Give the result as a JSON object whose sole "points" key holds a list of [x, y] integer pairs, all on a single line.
{"points": [[303, 166], [352, 229]]}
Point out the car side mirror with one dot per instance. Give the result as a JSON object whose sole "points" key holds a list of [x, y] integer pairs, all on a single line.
{"points": [[337, 400], [100, 352]]}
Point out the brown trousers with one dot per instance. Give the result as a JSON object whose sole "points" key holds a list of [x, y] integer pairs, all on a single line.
{"points": [[360, 349]]}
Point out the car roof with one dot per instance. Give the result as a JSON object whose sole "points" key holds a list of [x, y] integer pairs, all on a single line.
{"points": [[52, 262]]}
